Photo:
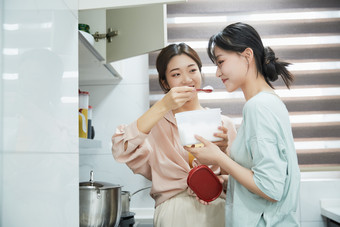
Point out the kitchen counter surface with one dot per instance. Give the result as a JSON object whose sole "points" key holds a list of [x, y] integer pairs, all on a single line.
{"points": [[330, 208], [143, 216]]}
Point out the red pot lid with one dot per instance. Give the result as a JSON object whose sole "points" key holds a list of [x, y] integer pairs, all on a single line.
{"points": [[204, 183]]}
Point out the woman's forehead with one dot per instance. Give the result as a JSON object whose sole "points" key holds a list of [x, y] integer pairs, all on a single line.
{"points": [[180, 62]]}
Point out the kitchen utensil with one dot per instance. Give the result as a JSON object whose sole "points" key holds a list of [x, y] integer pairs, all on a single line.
{"points": [[126, 198], [198, 122], [99, 203], [204, 183], [207, 89]]}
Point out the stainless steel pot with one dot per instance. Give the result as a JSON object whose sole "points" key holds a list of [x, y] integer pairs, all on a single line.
{"points": [[99, 204], [126, 198]]}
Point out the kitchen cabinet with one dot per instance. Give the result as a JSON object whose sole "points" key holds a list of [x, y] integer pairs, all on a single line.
{"points": [[140, 30], [106, 4], [93, 70]]}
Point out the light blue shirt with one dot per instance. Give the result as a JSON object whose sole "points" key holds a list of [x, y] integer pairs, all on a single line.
{"points": [[265, 144]]}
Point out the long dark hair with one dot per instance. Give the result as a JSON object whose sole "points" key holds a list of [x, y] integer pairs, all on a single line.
{"points": [[165, 56], [239, 36]]}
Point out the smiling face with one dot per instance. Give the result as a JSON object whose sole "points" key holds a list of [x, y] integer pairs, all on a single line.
{"points": [[232, 68], [183, 71]]}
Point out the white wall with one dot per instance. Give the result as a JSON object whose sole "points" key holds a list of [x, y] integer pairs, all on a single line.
{"points": [[1, 107], [39, 114], [113, 105], [316, 186]]}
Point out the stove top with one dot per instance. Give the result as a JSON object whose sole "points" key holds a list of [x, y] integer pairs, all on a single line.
{"points": [[127, 219]]}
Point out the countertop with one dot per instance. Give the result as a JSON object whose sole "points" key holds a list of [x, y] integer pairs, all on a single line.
{"points": [[143, 216], [330, 208]]}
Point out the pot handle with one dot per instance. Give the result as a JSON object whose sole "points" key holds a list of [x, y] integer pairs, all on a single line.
{"points": [[99, 196], [140, 190], [91, 176]]}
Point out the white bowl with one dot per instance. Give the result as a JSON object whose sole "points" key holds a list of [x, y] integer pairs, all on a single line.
{"points": [[198, 122]]}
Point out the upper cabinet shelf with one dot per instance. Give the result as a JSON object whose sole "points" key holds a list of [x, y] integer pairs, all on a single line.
{"points": [[110, 4], [92, 66]]}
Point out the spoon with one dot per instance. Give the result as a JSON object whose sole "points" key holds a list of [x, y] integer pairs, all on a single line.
{"points": [[207, 89]]}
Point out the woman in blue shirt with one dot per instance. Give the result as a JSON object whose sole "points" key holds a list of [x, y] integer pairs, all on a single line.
{"points": [[264, 176]]}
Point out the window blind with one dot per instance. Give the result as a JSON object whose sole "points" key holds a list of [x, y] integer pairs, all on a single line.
{"points": [[304, 33]]}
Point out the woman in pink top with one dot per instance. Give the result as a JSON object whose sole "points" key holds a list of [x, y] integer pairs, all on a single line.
{"points": [[151, 146]]}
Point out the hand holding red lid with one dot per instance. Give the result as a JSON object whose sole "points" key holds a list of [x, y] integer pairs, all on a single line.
{"points": [[223, 180], [201, 179]]}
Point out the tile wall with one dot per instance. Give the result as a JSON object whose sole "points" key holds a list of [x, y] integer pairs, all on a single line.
{"points": [[39, 90]]}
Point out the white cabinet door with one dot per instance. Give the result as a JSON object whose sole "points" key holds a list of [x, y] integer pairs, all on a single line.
{"points": [[107, 4], [140, 29]]}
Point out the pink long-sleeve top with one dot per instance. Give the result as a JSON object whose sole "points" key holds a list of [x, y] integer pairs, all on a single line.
{"points": [[159, 155]]}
